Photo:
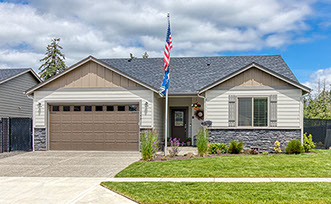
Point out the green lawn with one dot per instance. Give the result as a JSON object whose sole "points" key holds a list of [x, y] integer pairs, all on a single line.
{"points": [[282, 165], [167, 192]]}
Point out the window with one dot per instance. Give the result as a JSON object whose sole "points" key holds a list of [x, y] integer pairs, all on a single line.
{"points": [[244, 111], [76, 108], [253, 111], [66, 108], [260, 112], [110, 108], [133, 108], [56, 108], [120, 108], [88, 108], [98, 108]]}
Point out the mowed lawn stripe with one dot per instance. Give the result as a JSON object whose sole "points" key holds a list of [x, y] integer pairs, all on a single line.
{"points": [[282, 165], [169, 192]]}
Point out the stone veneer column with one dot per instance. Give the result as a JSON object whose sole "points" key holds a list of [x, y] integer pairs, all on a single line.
{"points": [[40, 139]]}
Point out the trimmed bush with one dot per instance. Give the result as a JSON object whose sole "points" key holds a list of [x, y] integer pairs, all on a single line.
{"points": [[235, 147], [308, 143], [149, 145], [202, 141], [294, 147], [213, 147]]}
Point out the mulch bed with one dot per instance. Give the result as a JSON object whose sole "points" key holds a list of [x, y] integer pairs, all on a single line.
{"points": [[191, 156]]}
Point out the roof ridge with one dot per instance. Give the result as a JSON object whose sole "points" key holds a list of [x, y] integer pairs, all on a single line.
{"points": [[185, 57]]}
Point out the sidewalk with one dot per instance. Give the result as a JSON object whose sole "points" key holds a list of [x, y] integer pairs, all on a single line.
{"points": [[269, 179]]}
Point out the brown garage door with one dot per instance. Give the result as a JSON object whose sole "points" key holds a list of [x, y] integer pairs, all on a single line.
{"points": [[94, 127]]}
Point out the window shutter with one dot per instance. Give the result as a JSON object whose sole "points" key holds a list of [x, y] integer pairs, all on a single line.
{"points": [[232, 111], [273, 111]]}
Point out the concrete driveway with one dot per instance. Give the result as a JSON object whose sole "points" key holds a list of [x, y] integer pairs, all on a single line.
{"points": [[67, 164], [62, 176]]}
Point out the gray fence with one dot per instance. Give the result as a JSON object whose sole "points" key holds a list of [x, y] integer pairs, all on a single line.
{"points": [[320, 130], [15, 134]]}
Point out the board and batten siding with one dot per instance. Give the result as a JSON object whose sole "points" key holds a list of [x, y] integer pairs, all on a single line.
{"points": [[81, 96], [159, 116], [13, 101], [288, 105]]}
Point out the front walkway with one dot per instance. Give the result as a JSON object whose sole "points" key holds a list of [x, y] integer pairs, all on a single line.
{"points": [[269, 179]]}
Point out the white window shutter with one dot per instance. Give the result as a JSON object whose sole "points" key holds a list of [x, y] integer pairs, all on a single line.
{"points": [[273, 111], [232, 111]]}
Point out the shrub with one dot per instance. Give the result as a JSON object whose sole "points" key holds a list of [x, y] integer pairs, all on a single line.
{"points": [[294, 147], [149, 145], [213, 147], [202, 141], [265, 152], [308, 143], [174, 146], [277, 148], [235, 147]]}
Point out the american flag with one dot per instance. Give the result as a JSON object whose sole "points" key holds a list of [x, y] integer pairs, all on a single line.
{"points": [[167, 49], [165, 82]]}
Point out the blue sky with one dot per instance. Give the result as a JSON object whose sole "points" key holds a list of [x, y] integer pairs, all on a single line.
{"points": [[297, 30]]}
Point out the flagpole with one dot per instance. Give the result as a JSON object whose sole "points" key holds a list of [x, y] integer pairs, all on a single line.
{"points": [[166, 110]]}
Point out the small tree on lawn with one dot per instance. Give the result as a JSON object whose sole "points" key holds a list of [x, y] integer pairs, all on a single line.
{"points": [[53, 60]]}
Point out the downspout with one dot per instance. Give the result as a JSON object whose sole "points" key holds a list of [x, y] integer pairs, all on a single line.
{"points": [[301, 118]]}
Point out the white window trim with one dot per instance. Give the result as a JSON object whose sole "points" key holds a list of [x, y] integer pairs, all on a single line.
{"points": [[252, 126]]}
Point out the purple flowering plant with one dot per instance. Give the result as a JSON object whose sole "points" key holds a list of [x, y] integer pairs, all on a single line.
{"points": [[174, 146]]}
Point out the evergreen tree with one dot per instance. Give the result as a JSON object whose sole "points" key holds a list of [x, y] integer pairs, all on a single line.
{"points": [[53, 60]]}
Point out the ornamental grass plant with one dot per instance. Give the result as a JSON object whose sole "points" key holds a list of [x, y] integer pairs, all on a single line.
{"points": [[202, 141], [149, 145]]}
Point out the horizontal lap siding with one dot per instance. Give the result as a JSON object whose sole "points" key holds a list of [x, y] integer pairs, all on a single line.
{"points": [[12, 96], [288, 105], [90, 96], [159, 116]]}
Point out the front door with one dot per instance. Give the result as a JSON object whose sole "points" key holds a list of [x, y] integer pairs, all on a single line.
{"points": [[179, 123]]}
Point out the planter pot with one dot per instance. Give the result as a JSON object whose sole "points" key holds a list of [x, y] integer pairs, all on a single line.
{"points": [[188, 143]]}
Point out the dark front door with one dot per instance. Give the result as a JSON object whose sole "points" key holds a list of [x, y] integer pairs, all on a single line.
{"points": [[179, 123]]}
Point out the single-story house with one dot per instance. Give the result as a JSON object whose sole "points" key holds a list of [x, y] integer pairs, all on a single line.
{"points": [[103, 104], [15, 107]]}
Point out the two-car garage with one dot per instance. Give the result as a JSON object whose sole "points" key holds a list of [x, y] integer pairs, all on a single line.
{"points": [[103, 127]]}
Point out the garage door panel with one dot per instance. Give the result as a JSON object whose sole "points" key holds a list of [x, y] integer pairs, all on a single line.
{"points": [[76, 118], [94, 130]]}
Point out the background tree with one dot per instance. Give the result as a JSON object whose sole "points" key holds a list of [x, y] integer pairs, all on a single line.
{"points": [[318, 107], [53, 60]]}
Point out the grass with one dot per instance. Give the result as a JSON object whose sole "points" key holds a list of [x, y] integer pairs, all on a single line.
{"points": [[169, 192], [281, 165]]}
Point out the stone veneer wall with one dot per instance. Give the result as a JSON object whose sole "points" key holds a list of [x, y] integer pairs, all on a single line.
{"points": [[40, 139], [261, 139]]}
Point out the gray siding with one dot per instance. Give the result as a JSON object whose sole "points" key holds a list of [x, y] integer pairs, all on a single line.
{"points": [[13, 101]]}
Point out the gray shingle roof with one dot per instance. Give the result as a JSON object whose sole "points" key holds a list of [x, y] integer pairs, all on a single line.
{"points": [[7, 73], [190, 74]]}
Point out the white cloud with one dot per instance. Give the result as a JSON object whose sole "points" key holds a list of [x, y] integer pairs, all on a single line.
{"points": [[107, 29], [318, 79]]}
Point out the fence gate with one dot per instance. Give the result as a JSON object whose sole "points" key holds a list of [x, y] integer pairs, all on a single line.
{"points": [[20, 131]]}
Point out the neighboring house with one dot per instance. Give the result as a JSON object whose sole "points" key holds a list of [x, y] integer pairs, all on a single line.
{"points": [[103, 104], [13, 84]]}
